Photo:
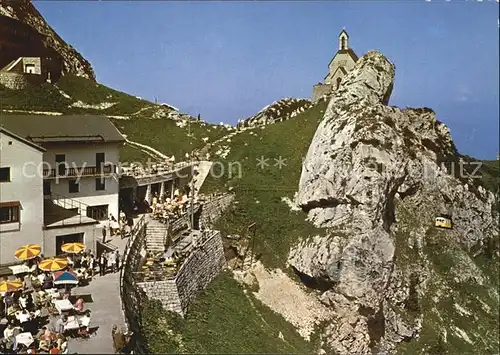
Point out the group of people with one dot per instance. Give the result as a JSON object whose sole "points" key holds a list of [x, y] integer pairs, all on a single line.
{"points": [[165, 208], [122, 226], [27, 322], [25, 313], [109, 260]]}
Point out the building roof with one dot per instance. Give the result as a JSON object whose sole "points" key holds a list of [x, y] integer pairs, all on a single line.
{"points": [[65, 128], [348, 51], [344, 31], [9, 66], [21, 139], [342, 69]]}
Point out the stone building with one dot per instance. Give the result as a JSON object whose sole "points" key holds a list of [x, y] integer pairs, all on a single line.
{"points": [[339, 66], [24, 65], [25, 58]]}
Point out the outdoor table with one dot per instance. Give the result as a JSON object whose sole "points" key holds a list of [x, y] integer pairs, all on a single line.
{"points": [[63, 305], [25, 338], [72, 323], [19, 269]]}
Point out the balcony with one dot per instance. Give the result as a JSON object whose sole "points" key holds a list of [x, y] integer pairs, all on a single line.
{"points": [[87, 171]]}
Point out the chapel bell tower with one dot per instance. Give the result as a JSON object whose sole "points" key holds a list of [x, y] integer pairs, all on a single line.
{"points": [[343, 40]]}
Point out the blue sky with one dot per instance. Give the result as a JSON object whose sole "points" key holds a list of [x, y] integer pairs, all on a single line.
{"points": [[227, 60]]}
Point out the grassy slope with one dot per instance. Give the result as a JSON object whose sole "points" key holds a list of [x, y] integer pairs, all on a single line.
{"points": [[162, 134], [259, 191], [222, 320], [47, 97], [226, 318], [165, 136], [278, 228]]}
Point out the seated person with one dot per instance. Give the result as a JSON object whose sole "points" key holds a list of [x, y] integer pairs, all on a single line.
{"points": [[47, 283], [83, 332], [45, 336], [79, 304], [23, 301], [54, 349]]}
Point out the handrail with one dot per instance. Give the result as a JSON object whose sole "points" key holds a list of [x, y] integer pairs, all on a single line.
{"points": [[142, 173], [83, 171], [81, 207]]}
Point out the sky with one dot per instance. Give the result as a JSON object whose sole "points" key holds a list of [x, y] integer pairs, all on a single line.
{"points": [[227, 60]]}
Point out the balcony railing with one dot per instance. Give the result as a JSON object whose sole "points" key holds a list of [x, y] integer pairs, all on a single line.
{"points": [[155, 170], [79, 172]]}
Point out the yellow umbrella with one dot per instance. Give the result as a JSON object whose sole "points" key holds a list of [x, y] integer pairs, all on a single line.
{"points": [[9, 286], [53, 264], [28, 251], [74, 248]]}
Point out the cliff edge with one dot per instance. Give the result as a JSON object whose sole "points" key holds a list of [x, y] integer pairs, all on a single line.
{"points": [[376, 177]]}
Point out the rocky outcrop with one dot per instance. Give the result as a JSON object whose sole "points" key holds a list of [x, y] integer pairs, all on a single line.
{"points": [[25, 12], [278, 111], [375, 177]]}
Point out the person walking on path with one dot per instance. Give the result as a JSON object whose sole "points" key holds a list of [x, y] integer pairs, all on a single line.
{"points": [[103, 264], [111, 261], [117, 259]]}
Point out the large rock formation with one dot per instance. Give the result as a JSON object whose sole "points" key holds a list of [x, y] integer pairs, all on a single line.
{"points": [[375, 177], [26, 13]]}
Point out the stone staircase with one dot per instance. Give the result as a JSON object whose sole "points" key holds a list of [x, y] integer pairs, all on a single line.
{"points": [[203, 171], [156, 233]]}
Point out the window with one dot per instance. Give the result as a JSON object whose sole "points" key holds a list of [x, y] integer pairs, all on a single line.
{"points": [[338, 82], [61, 164], [73, 186], [46, 188], [4, 174], [99, 160], [9, 212], [99, 213], [100, 184]]}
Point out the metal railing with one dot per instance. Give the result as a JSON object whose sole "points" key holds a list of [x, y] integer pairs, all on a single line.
{"points": [[128, 285], [84, 171], [153, 276], [161, 169], [81, 209]]}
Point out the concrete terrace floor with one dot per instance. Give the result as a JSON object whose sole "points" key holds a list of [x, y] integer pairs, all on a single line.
{"points": [[105, 310]]}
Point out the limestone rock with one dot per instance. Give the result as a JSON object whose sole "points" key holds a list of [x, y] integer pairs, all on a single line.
{"points": [[371, 167]]}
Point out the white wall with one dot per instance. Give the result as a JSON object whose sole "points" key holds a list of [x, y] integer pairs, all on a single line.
{"points": [[76, 156], [26, 187], [88, 194], [81, 153], [90, 232], [342, 59]]}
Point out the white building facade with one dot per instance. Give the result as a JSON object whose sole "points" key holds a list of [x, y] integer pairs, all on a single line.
{"points": [[75, 160], [21, 202], [84, 182]]}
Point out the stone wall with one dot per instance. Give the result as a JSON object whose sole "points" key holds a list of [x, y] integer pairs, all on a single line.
{"points": [[211, 211], [319, 90], [164, 291], [18, 81], [131, 295], [204, 263], [200, 268]]}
